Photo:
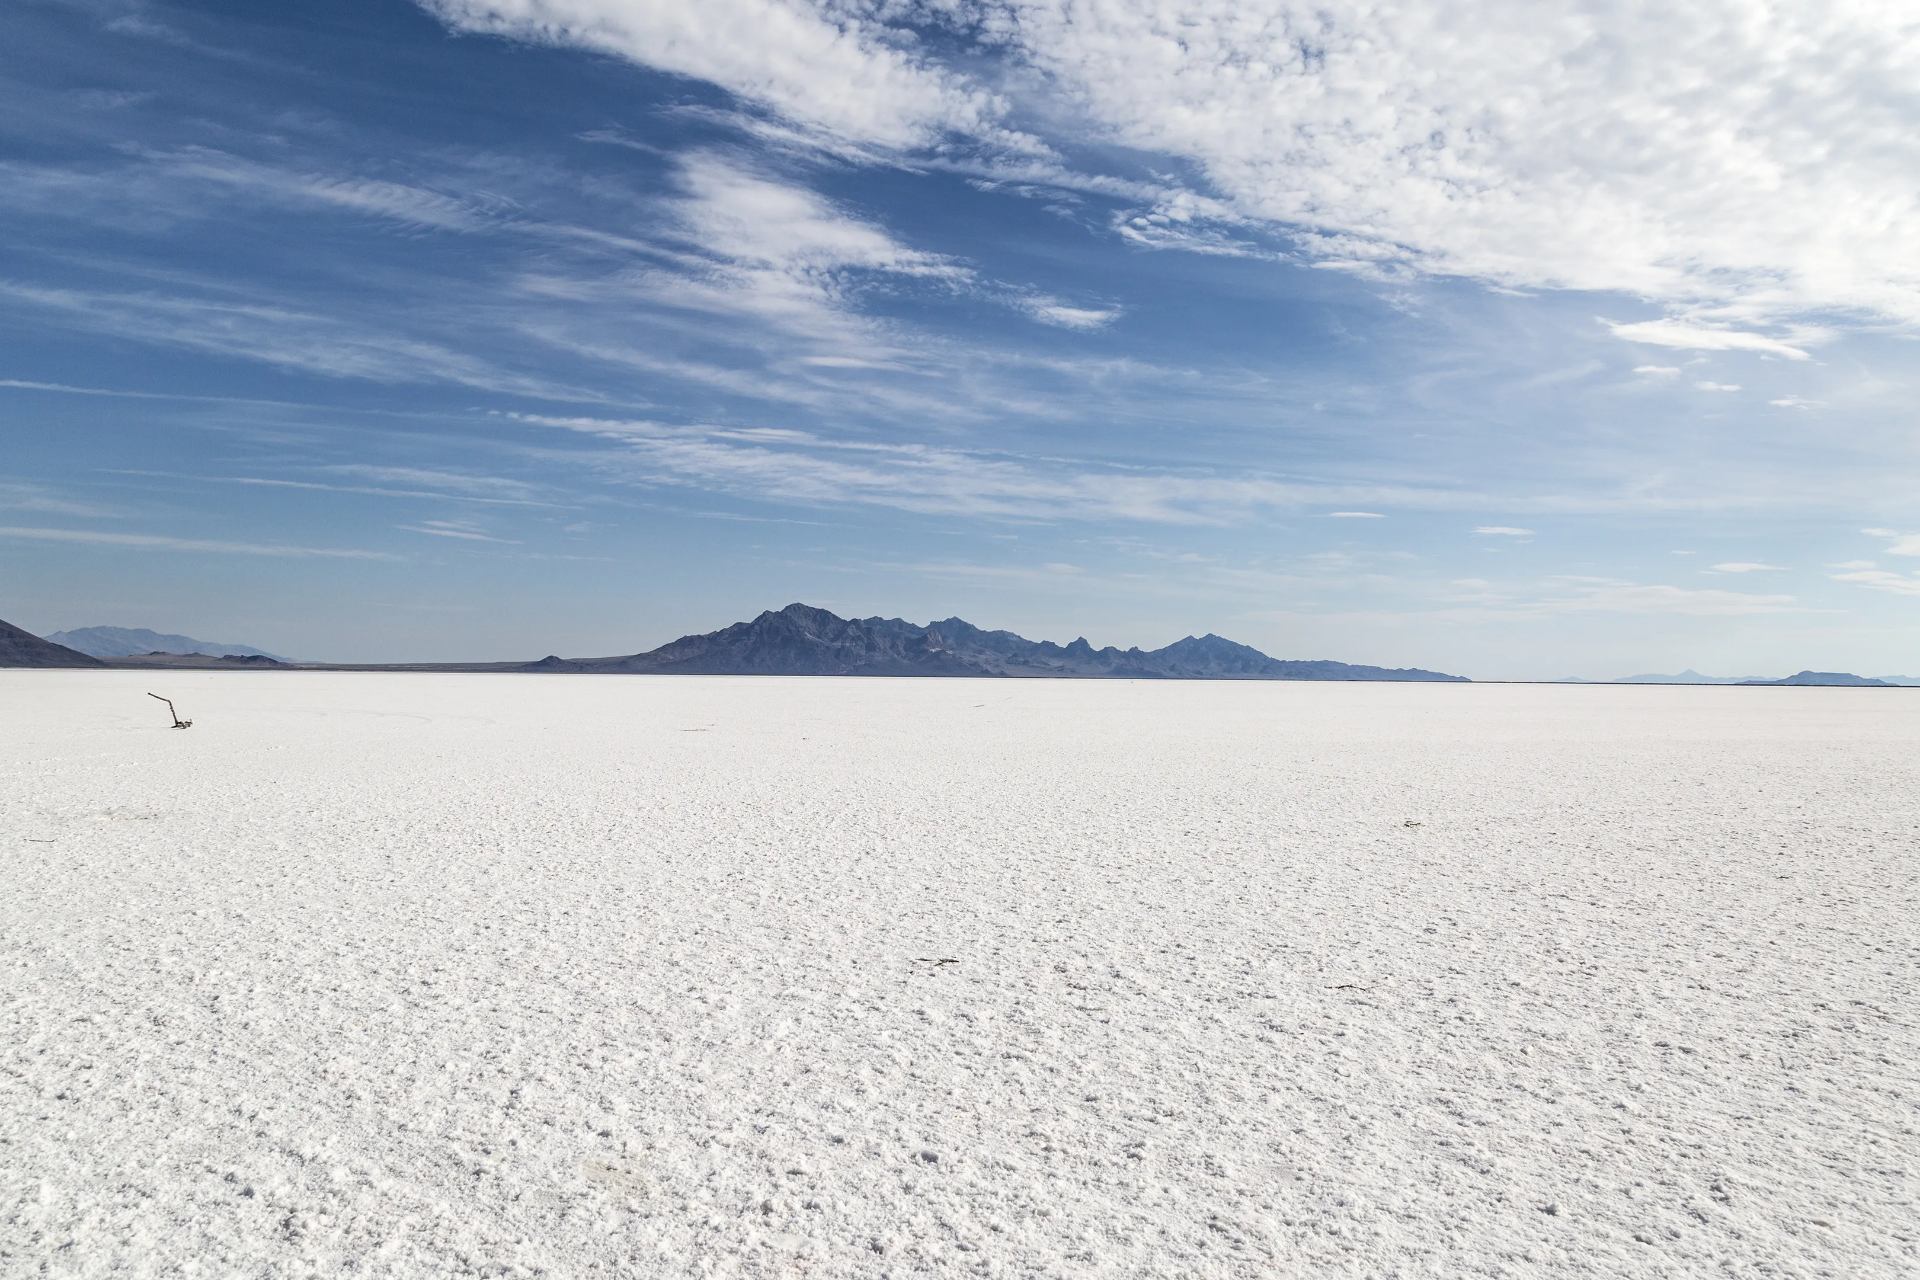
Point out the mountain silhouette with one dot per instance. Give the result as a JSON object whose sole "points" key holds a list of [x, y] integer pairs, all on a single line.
{"points": [[24, 649], [800, 640]]}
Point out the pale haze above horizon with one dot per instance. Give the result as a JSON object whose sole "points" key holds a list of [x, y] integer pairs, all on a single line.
{"points": [[1515, 340]]}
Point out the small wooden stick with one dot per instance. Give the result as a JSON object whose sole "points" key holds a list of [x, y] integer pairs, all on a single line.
{"points": [[178, 723]]}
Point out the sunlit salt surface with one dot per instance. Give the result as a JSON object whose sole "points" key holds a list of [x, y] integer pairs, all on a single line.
{"points": [[577, 975]]}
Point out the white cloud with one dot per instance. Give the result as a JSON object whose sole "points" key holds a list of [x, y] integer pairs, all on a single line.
{"points": [[1666, 151], [1054, 312], [1694, 337], [819, 65], [1657, 370], [1882, 580], [1742, 163], [781, 254], [1904, 544], [1355, 515], [1746, 566], [1865, 574], [736, 242], [1717, 386], [1505, 531], [755, 221], [1795, 402]]}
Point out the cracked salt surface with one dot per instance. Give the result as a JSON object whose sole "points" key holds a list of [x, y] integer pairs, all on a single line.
{"points": [[510, 975]]}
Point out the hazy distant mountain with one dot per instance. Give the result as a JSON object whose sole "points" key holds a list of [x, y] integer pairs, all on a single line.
{"points": [[1842, 678], [24, 649], [129, 642], [803, 641], [1689, 676], [1899, 679]]}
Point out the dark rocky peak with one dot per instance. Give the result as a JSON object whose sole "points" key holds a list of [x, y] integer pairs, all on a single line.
{"points": [[19, 648]]}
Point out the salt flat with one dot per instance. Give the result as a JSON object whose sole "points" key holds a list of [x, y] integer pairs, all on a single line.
{"points": [[577, 975]]}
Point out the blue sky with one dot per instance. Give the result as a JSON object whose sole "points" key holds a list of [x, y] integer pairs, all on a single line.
{"points": [[1515, 340]]}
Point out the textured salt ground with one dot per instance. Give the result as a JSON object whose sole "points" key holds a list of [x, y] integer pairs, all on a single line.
{"points": [[574, 976]]}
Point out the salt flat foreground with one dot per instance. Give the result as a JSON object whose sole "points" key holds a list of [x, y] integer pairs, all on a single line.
{"points": [[577, 975]]}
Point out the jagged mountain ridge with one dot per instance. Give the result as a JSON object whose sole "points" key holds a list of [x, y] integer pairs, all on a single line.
{"points": [[24, 649], [802, 640]]}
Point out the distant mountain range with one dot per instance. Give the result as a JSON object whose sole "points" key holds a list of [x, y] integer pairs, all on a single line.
{"points": [[1690, 676], [131, 642], [800, 640], [803, 641]]}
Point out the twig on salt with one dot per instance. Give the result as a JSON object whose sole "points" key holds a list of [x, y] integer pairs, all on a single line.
{"points": [[178, 723]]}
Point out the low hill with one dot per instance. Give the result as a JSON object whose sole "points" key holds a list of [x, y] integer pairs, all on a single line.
{"points": [[207, 661], [24, 649], [803, 641], [1838, 679]]}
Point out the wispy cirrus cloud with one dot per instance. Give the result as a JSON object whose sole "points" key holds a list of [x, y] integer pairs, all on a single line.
{"points": [[448, 486], [443, 482], [160, 542], [278, 335], [404, 203], [802, 467], [33, 497], [145, 188], [464, 530]]}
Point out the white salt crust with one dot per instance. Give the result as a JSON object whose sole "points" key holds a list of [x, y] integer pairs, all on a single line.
{"points": [[384, 975]]}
